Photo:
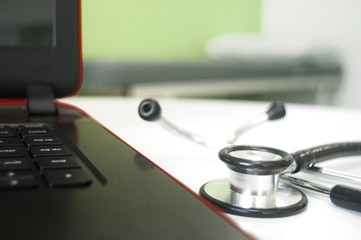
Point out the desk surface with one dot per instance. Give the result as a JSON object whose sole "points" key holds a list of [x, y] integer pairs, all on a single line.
{"points": [[303, 127]]}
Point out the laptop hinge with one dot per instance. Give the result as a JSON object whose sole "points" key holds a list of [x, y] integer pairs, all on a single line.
{"points": [[41, 100]]}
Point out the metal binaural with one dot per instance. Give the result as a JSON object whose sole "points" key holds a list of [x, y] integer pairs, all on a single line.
{"points": [[276, 111], [150, 110]]}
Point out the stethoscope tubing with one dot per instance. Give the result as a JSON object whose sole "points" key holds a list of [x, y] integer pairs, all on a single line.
{"points": [[308, 157], [289, 162]]}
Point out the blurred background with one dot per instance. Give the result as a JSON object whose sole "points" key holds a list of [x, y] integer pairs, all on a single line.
{"points": [[297, 51]]}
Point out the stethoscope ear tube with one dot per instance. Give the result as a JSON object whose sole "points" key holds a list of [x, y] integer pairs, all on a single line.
{"points": [[308, 157], [150, 110]]}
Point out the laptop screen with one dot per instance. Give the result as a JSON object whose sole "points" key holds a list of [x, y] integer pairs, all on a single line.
{"points": [[33, 29], [40, 45]]}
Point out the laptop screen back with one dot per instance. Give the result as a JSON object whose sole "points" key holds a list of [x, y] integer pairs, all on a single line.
{"points": [[39, 45], [33, 29]]}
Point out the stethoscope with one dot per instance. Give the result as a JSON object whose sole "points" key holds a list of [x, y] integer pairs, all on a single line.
{"points": [[254, 188]]}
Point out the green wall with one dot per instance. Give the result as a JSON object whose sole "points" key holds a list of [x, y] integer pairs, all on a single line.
{"points": [[162, 29]]}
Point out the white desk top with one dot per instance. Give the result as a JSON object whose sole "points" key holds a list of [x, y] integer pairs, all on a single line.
{"points": [[303, 127]]}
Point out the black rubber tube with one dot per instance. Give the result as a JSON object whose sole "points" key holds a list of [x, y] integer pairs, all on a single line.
{"points": [[308, 157], [346, 197]]}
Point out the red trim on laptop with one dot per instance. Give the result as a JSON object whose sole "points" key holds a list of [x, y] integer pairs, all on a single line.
{"points": [[13, 102]]}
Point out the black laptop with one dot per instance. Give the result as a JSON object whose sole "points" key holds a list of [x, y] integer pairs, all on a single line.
{"points": [[62, 175]]}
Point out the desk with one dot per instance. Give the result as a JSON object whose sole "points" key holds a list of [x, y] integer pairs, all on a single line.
{"points": [[303, 127]]}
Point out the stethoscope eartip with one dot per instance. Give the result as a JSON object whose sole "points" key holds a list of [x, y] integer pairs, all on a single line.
{"points": [[277, 110], [149, 110]]}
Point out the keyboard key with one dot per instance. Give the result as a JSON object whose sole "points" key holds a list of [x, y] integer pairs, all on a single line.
{"points": [[49, 140], [48, 151], [22, 146], [25, 179], [56, 163], [18, 183], [9, 141], [16, 174], [6, 132], [11, 152], [35, 131], [14, 164], [67, 178]]}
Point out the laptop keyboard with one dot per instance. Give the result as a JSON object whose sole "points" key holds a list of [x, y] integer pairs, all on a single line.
{"points": [[33, 155]]}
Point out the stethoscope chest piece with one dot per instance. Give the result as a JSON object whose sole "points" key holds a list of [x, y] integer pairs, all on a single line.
{"points": [[286, 202], [253, 187]]}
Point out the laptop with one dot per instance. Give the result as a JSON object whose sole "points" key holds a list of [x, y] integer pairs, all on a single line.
{"points": [[63, 175]]}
